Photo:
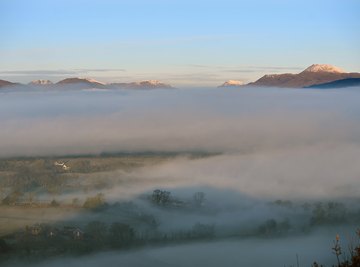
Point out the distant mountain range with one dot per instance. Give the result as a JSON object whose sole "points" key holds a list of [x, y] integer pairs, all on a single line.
{"points": [[150, 84], [315, 74], [4, 83], [86, 83]]}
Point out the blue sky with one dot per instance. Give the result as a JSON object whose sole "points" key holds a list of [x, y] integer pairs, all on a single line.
{"points": [[185, 43]]}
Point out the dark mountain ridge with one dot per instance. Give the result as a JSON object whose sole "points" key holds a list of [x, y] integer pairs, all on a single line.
{"points": [[349, 82], [315, 74]]}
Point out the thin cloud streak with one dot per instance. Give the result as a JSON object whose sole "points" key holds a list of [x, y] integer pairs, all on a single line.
{"points": [[246, 68], [57, 72]]}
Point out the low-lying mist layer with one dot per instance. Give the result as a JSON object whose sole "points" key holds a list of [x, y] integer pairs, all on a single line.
{"points": [[222, 120], [267, 167], [274, 142]]}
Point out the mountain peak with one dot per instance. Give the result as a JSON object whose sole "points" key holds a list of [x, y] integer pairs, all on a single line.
{"points": [[315, 74], [41, 82], [80, 80], [151, 84], [323, 68], [90, 80], [4, 83], [232, 83]]}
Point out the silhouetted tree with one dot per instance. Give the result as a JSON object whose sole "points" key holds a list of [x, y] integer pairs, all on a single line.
{"points": [[12, 198], [54, 203], [160, 197], [4, 247], [121, 235], [95, 203], [97, 230], [328, 213], [200, 230], [199, 198]]}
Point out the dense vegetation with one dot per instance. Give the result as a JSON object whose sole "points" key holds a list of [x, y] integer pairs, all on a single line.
{"points": [[98, 224]]}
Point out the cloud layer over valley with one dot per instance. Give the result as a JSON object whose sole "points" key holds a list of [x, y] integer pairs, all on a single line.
{"points": [[284, 138], [225, 121], [257, 145]]}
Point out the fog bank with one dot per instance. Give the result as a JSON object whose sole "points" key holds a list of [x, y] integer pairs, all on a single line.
{"points": [[243, 120], [300, 143], [299, 146]]}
